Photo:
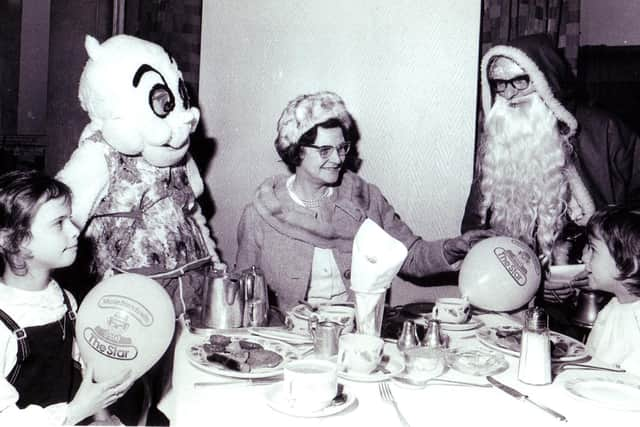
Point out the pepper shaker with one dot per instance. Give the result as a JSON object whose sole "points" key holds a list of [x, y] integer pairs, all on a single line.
{"points": [[408, 337], [433, 337]]}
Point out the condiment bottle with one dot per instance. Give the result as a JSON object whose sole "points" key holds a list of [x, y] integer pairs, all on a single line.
{"points": [[433, 338], [535, 350], [408, 337]]}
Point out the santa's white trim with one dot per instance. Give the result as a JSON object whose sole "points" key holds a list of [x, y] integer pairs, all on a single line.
{"points": [[536, 77]]}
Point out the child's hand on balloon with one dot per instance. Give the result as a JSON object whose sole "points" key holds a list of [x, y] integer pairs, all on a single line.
{"points": [[92, 396]]}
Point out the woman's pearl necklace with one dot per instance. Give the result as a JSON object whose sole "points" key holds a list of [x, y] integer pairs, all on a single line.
{"points": [[316, 202], [309, 204]]}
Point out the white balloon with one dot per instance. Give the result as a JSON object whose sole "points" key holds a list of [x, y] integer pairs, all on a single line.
{"points": [[124, 323], [499, 274]]}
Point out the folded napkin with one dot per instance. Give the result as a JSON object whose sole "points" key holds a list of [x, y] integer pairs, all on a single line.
{"points": [[376, 259]]}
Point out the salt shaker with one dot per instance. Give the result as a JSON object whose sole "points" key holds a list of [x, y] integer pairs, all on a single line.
{"points": [[535, 351], [408, 337]]}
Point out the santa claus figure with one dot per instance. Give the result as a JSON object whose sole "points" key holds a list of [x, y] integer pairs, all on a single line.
{"points": [[545, 161]]}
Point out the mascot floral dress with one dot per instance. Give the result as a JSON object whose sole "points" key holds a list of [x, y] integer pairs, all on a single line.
{"points": [[134, 183]]}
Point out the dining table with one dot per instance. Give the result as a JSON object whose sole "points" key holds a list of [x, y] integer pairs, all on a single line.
{"points": [[198, 396]]}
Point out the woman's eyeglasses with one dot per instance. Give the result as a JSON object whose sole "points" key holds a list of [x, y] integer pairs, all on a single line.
{"points": [[326, 151], [518, 83]]}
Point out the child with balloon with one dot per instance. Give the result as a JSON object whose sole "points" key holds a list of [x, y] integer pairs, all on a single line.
{"points": [[40, 382], [612, 259]]}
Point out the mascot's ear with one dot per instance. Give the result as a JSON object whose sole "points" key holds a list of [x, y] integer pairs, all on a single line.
{"points": [[92, 47]]}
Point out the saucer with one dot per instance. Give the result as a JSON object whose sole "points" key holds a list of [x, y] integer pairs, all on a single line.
{"points": [[393, 367], [472, 323], [277, 401]]}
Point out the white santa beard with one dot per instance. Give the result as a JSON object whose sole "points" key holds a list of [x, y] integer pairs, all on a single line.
{"points": [[522, 163]]}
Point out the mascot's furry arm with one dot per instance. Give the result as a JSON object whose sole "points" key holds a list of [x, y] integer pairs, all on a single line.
{"points": [[198, 188], [87, 174]]}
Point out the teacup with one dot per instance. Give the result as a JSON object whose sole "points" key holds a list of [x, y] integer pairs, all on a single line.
{"points": [[424, 363], [360, 353], [310, 384], [452, 310]]}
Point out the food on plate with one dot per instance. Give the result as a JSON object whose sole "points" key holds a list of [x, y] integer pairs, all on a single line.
{"points": [[248, 345], [241, 355], [263, 359], [234, 362], [511, 338]]}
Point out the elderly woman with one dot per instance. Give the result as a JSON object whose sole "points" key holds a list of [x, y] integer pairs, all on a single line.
{"points": [[299, 229]]}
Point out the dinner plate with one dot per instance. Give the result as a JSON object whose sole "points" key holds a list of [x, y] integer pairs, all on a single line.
{"points": [[281, 335], [506, 338], [394, 366], [472, 323], [613, 391], [197, 357], [277, 400]]}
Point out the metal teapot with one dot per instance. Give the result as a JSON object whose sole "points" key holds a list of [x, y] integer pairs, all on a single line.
{"points": [[256, 298], [223, 304], [588, 305]]}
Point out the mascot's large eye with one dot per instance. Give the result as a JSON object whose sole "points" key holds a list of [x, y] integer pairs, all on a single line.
{"points": [[161, 100], [184, 94]]}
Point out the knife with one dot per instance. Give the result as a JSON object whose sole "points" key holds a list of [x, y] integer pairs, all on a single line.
{"points": [[518, 395]]}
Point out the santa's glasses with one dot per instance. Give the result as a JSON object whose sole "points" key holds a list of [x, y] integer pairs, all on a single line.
{"points": [[518, 83]]}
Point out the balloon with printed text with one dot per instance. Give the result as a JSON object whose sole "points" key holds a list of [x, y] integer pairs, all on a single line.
{"points": [[126, 322], [499, 274]]}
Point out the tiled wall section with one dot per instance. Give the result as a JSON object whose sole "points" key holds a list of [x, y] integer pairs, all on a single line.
{"points": [[504, 20]]}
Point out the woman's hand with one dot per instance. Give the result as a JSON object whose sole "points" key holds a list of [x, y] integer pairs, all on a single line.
{"points": [[91, 397], [456, 248]]}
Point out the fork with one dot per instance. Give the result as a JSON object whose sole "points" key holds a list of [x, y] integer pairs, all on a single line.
{"points": [[387, 396]]}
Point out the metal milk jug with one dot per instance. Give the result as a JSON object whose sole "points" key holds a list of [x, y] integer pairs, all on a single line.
{"points": [[256, 299], [325, 335], [223, 303]]}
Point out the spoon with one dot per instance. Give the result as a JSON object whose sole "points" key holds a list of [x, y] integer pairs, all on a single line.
{"points": [[340, 397], [382, 366]]}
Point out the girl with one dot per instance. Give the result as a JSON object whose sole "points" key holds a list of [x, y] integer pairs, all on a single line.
{"points": [[37, 348], [612, 259]]}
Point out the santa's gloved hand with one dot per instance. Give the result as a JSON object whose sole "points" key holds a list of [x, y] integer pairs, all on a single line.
{"points": [[456, 248]]}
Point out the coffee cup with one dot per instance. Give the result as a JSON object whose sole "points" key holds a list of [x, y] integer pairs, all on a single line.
{"points": [[310, 384], [452, 310], [359, 353]]}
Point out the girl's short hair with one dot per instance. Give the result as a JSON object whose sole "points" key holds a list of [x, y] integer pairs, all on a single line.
{"points": [[21, 195], [619, 229]]}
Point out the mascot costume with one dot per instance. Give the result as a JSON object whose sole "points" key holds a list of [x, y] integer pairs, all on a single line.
{"points": [[134, 183]]}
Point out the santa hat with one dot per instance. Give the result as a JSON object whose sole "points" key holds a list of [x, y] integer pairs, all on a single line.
{"points": [[306, 111], [547, 70]]}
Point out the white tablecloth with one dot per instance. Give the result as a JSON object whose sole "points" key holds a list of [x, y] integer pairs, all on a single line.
{"points": [[441, 404]]}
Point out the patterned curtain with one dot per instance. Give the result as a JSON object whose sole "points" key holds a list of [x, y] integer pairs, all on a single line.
{"points": [[504, 20], [176, 26]]}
